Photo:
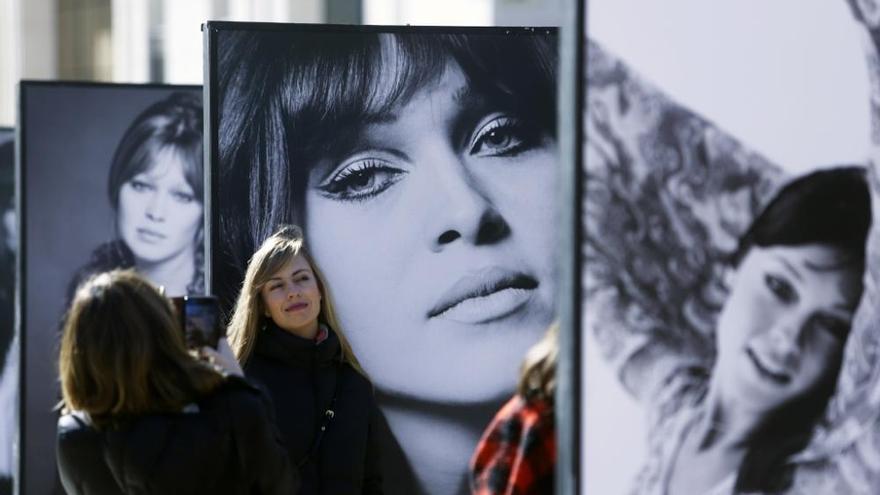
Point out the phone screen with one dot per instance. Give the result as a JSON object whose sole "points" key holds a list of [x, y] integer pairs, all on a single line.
{"points": [[200, 320]]}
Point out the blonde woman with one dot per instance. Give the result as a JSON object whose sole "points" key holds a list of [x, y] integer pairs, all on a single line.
{"points": [[285, 334], [144, 416]]}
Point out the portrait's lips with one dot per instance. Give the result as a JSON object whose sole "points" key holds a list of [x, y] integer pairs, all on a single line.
{"points": [[769, 370], [297, 306], [150, 236], [485, 295]]}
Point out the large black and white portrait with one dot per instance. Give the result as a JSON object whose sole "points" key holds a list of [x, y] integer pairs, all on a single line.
{"points": [[112, 177], [730, 258], [8, 344], [421, 163]]}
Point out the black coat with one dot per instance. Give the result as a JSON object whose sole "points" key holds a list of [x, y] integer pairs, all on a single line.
{"points": [[301, 378], [229, 446]]}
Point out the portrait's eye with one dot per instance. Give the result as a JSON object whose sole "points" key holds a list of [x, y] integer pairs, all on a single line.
{"points": [[183, 197], [274, 286], [781, 288], [140, 185], [361, 180], [834, 326], [502, 135]]}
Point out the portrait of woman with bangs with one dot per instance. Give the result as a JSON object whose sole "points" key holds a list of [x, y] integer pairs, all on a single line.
{"points": [[422, 166]]}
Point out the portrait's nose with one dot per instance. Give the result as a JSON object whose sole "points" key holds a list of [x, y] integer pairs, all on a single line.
{"points": [[785, 337], [461, 208], [155, 208]]}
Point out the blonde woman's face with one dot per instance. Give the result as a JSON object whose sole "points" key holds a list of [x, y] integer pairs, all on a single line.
{"points": [[159, 215], [436, 236], [292, 298]]}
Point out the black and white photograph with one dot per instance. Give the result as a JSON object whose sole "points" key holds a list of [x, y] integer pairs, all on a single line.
{"points": [[730, 259], [421, 165], [112, 177], [8, 343]]}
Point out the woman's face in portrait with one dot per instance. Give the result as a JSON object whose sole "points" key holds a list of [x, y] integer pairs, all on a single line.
{"points": [[159, 215], [783, 329], [292, 298], [436, 236]]}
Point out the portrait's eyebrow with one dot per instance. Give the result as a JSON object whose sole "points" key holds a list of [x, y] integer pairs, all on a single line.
{"points": [[466, 97], [463, 97], [794, 271], [384, 117], [831, 266]]}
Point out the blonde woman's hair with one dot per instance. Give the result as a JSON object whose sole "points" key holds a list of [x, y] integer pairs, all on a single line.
{"points": [[250, 316], [538, 373], [123, 353]]}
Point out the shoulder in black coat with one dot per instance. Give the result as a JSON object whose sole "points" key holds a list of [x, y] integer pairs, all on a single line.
{"points": [[301, 378], [228, 444]]}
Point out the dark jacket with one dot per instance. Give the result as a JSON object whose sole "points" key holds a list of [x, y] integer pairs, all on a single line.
{"points": [[301, 378], [230, 445]]}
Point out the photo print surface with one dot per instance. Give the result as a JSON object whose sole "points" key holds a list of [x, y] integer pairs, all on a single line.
{"points": [[731, 330], [112, 178], [421, 164], [8, 343]]}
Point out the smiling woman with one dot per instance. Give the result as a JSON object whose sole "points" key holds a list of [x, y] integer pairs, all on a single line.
{"points": [[285, 333], [156, 189]]}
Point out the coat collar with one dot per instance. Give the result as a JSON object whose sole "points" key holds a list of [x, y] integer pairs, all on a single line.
{"points": [[275, 343]]}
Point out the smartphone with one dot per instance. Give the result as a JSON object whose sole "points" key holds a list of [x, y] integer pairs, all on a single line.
{"points": [[199, 318]]}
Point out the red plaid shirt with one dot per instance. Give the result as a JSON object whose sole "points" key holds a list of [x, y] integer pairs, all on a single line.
{"points": [[517, 454]]}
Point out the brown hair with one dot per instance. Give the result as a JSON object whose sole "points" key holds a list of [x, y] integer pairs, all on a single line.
{"points": [[249, 316], [123, 353], [537, 377]]}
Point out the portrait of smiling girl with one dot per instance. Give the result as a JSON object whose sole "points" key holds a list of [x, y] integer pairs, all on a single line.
{"points": [[780, 336], [422, 167], [721, 294]]}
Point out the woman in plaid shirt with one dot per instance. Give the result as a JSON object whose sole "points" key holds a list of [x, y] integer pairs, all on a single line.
{"points": [[517, 454]]}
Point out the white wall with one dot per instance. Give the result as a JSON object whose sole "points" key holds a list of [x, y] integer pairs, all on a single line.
{"points": [[528, 12], [28, 48], [431, 13], [787, 76]]}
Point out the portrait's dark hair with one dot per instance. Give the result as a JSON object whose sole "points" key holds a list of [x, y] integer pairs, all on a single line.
{"points": [[123, 352], [830, 207], [7, 187], [7, 255], [173, 123], [288, 98]]}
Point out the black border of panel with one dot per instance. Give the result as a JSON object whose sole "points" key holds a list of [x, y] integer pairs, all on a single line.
{"points": [[569, 398]]}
